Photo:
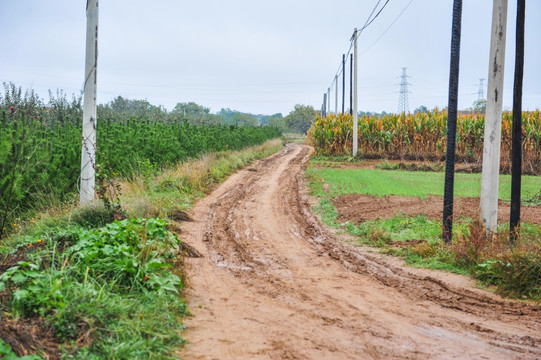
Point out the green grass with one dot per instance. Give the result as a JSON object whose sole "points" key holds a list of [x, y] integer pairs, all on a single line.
{"points": [[514, 270], [415, 183]]}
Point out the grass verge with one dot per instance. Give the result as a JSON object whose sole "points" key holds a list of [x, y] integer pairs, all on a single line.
{"points": [[415, 183], [105, 281], [513, 270]]}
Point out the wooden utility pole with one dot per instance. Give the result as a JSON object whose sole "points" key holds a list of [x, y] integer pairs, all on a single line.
{"points": [[88, 158], [493, 119], [355, 120], [448, 196], [516, 167]]}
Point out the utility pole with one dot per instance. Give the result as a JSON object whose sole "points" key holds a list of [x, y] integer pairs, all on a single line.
{"points": [[351, 84], [343, 81], [516, 166], [88, 158], [493, 119], [324, 107], [329, 100], [336, 95], [403, 106], [481, 91], [451, 123], [355, 120]]}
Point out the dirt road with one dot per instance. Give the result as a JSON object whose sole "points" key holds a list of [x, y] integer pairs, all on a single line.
{"points": [[273, 283]]}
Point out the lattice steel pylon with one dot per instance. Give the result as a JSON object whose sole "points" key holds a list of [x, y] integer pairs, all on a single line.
{"points": [[481, 91], [403, 106]]}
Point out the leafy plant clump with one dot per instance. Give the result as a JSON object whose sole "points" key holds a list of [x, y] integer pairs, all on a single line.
{"points": [[111, 293], [514, 268]]}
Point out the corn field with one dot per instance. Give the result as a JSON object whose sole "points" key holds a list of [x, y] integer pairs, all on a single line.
{"points": [[40, 161], [423, 136]]}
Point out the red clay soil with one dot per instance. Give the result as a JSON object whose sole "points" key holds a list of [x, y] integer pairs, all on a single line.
{"points": [[273, 283], [358, 208]]}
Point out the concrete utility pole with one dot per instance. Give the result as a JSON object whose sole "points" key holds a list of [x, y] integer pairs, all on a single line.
{"points": [[88, 158], [493, 119], [355, 111], [329, 100]]}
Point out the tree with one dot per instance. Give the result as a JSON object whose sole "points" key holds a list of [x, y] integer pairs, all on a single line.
{"points": [[479, 105], [265, 119], [121, 108], [190, 108], [421, 110], [301, 118], [195, 114], [243, 119], [233, 117], [277, 122]]}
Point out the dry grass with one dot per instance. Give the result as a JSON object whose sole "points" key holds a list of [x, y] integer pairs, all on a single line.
{"points": [[179, 186]]}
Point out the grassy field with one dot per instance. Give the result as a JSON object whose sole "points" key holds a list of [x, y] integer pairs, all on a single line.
{"points": [[513, 270], [416, 183]]}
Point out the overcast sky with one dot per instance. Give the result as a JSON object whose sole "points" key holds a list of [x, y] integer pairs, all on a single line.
{"points": [[259, 56]]}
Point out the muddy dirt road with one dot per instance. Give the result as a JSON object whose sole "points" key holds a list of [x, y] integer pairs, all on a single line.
{"points": [[273, 283]]}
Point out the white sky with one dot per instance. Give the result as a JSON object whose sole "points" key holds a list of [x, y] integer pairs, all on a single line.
{"points": [[259, 57]]}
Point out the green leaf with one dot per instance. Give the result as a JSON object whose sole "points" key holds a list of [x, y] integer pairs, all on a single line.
{"points": [[20, 295], [32, 274], [18, 278]]}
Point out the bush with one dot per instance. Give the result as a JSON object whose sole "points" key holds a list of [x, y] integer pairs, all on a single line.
{"points": [[517, 274]]}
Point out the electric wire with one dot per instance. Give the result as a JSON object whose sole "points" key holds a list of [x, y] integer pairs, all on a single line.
{"points": [[367, 23], [386, 30], [375, 17]]}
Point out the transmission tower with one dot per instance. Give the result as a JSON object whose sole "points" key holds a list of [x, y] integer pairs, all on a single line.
{"points": [[481, 92], [403, 106]]}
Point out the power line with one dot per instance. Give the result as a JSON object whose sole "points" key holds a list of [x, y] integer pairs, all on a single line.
{"points": [[379, 12], [367, 23], [372, 13], [395, 20]]}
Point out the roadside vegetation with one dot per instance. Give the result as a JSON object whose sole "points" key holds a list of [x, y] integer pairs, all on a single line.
{"points": [[512, 270], [104, 281], [40, 146]]}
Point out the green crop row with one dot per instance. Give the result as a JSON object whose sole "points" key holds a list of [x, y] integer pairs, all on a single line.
{"points": [[42, 161]]}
